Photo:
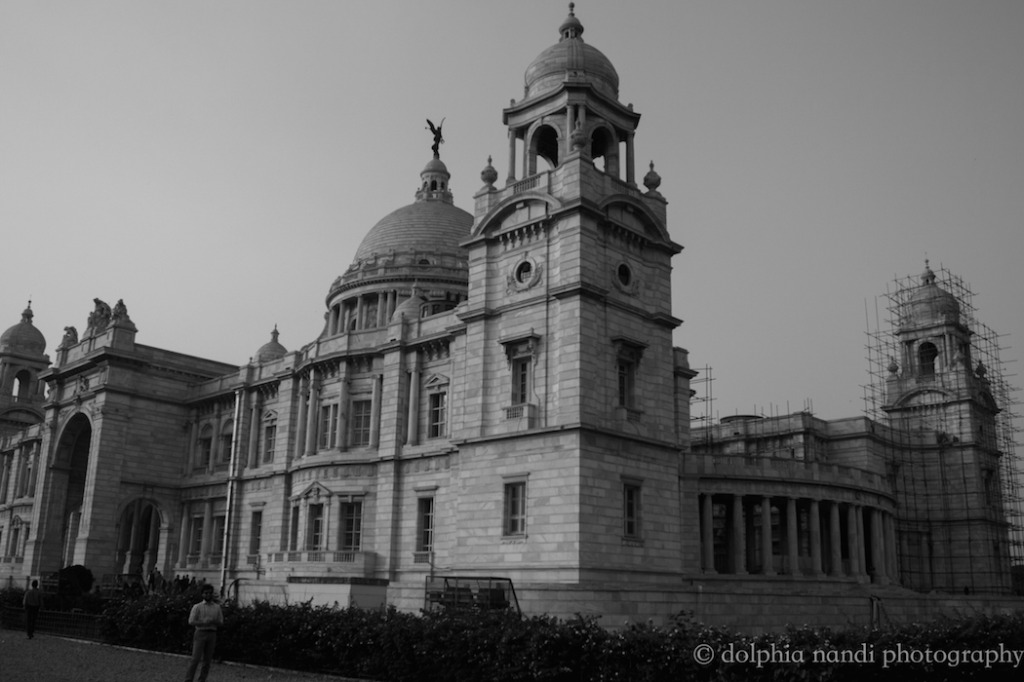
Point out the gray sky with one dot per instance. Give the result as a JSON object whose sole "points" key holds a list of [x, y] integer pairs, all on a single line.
{"points": [[215, 164]]}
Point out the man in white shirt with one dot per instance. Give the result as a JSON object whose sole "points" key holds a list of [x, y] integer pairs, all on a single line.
{"points": [[205, 617]]}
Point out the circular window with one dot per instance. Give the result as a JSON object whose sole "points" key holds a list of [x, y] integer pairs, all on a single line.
{"points": [[625, 275], [524, 271]]}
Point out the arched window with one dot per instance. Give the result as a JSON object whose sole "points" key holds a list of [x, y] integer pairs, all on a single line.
{"points": [[224, 449], [926, 354], [22, 390], [545, 145]]}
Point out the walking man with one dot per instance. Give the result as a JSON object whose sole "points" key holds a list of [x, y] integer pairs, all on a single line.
{"points": [[205, 617], [32, 602]]}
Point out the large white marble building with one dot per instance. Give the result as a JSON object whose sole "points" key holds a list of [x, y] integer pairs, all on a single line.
{"points": [[497, 394]]}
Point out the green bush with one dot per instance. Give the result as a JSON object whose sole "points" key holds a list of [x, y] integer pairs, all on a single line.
{"points": [[501, 646]]}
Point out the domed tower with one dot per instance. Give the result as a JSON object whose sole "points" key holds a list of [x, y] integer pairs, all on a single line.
{"points": [[416, 245], [953, 531], [22, 358], [572, 374]]}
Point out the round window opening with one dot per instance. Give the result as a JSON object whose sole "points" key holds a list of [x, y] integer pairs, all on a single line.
{"points": [[524, 271], [625, 275]]}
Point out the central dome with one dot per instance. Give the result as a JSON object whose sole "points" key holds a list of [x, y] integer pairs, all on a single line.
{"points": [[432, 223], [570, 57], [420, 226], [23, 337]]}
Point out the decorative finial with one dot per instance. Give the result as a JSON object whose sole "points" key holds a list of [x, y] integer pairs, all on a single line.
{"points": [[488, 174], [438, 139], [274, 334], [652, 181]]}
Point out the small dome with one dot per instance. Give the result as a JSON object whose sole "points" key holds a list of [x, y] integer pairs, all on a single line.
{"points": [[271, 350], [23, 337], [570, 56], [410, 307], [931, 303]]}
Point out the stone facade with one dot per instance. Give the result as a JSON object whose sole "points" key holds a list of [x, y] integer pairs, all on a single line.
{"points": [[494, 394]]}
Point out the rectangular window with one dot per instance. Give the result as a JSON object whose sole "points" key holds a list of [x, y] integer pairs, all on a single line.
{"points": [[437, 415], [315, 527], [521, 380], [269, 442], [361, 422], [627, 378], [218, 536], [293, 536], [515, 509], [351, 526], [196, 536], [255, 532], [328, 437], [14, 550], [425, 524], [630, 510]]}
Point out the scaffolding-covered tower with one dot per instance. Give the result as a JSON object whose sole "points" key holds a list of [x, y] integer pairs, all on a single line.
{"points": [[937, 381]]}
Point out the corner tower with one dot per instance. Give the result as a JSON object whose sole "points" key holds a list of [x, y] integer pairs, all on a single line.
{"points": [[953, 533], [568, 412]]}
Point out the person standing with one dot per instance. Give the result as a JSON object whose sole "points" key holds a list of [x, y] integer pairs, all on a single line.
{"points": [[205, 617], [32, 602]]}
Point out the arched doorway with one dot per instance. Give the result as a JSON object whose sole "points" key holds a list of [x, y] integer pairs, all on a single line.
{"points": [[138, 538], [72, 462]]}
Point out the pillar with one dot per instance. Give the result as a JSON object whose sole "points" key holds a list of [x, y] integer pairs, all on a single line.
{"points": [[183, 536], [852, 540], [707, 534], [412, 427], [792, 541], [815, 538], [738, 534], [835, 539], [768, 567], [254, 430], [630, 160], [878, 553], [862, 540], [343, 408], [312, 413], [300, 436], [375, 411], [511, 175], [207, 539]]}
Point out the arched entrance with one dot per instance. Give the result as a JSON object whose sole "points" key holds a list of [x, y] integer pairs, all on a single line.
{"points": [[72, 464], [138, 538]]}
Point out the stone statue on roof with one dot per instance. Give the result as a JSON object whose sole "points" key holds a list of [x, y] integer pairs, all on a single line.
{"points": [[438, 139]]}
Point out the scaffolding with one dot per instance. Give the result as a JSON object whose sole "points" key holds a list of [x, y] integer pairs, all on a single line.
{"points": [[917, 490]]}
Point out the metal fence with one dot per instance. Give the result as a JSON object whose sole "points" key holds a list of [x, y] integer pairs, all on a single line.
{"points": [[64, 623]]}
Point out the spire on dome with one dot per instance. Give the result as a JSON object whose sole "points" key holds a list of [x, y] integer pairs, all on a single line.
{"points": [[927, 277]]}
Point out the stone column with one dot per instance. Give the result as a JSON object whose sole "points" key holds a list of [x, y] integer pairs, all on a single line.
{"points": [[254, 430], [183, 535], [135, 549], [792, 540], [835, 539], [511, 175], [193, 440], [5, 472], [707, 534], [862, 540], [739, 539], [300, 423], [312, 413], [412, 436], [852, 540], [207, 539], [570, 126], [630, 160], [878, 553], [768, 567], [815, 540], [890, 548], [343, 409], [375, 411], [359, 313]]}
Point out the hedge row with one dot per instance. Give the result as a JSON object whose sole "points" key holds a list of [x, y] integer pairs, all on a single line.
{"points": [[394, 646]]}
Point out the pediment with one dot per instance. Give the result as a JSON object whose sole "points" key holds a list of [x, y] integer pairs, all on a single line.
{"points": [[436, 380], [313, 492]]}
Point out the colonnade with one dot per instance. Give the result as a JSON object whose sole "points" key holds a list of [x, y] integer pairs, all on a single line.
{"points": [[139, 539], [367, 311], [768, 535]]}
